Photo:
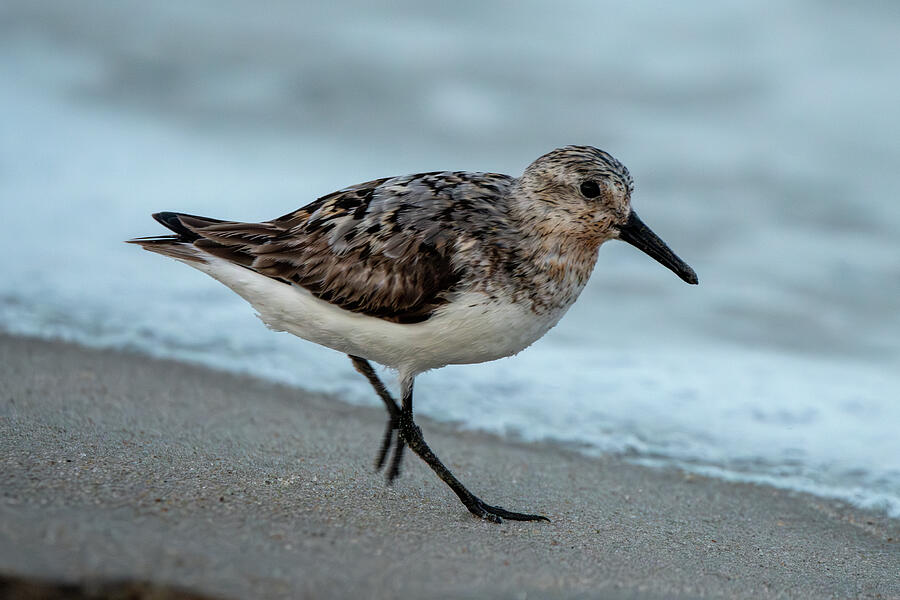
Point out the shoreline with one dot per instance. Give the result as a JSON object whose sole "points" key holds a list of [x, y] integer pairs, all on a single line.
{"points": [[120, 466]]}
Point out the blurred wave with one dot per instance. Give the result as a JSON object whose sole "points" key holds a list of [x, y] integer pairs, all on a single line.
{"points": [[763, 140]]}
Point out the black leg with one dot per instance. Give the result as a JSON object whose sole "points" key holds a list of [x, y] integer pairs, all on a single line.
{"points": [[391, 435], [394, 471], [412, 434]]}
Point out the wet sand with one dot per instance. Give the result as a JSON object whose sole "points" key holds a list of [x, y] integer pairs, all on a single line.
{"points": [[118, 467]]}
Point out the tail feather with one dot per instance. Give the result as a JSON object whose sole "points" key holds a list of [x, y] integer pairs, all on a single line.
{"points": [[198, 236], [180, 246], [184, 224], [171, 246]]}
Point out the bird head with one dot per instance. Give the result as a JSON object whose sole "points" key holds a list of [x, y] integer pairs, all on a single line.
{"points": [[584, 193]]}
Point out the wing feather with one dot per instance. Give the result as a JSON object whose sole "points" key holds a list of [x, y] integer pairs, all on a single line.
{"points": [[383, 248]]}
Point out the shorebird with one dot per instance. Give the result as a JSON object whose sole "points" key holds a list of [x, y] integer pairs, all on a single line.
{"points": [[421, 271]]}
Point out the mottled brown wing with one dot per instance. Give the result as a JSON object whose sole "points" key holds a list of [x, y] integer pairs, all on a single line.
{"points": [[380, 248], [352, 248]]}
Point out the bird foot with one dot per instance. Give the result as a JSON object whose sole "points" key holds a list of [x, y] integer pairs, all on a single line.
{"points": [[495, 514]]}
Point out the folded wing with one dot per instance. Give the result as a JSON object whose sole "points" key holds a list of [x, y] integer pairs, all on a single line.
{"points": [[380, 248]]}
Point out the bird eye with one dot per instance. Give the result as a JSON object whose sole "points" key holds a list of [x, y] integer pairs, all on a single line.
{"points": [[590, 189]]}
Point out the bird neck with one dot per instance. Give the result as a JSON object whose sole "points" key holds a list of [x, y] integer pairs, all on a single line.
{"points": [[555, 256]]}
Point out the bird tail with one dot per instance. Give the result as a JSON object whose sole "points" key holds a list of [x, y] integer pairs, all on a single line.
{"points": [[181, 245], [198, 238]]}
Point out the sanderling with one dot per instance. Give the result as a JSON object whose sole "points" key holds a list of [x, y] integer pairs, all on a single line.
{"points": [[422, 271]]}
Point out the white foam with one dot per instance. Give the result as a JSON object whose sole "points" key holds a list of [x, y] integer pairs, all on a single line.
{"points": [[781, 367]]}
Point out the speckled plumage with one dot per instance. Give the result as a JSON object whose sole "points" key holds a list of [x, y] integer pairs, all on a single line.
{"points": [[398, 248], [420, 271]]}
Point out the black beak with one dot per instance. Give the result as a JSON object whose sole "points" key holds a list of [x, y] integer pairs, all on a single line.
{"points": [[642, 237]]}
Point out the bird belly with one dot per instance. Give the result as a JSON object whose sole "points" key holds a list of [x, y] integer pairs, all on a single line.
{"points": [[471, 329], [475, 328]]}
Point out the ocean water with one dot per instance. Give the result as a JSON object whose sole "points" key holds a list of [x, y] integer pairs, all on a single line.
{"points": [[763, 139]]}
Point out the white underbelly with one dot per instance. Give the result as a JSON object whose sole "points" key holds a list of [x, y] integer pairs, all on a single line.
{"points": [[471, 329]]}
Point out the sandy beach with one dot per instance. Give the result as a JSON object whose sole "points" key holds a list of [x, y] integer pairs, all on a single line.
{"points": [[123, 468]]}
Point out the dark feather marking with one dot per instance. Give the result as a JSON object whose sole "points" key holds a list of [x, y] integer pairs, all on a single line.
{"points": [[176, 222], [347, 202], [383, 263]]}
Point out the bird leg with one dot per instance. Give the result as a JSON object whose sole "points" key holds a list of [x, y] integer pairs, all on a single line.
{"points": [[391, 432], [402, 428], [412, 435]]}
